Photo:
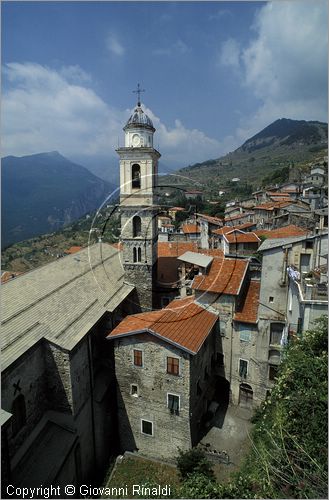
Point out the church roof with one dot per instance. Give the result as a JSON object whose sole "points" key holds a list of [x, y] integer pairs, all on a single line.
{"points": [[61, 301], [139, 118]]}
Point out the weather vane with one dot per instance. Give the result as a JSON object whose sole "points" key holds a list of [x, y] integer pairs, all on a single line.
{"points": [[138, 92]]}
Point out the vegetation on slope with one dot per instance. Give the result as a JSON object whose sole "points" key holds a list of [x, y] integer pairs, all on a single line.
{"points": [[289, 454]]}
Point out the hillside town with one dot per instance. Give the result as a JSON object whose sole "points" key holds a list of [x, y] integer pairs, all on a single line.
{"points": [[134, 346]]}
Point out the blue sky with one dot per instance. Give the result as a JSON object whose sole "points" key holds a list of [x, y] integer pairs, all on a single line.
{"points": [[215, 73]]}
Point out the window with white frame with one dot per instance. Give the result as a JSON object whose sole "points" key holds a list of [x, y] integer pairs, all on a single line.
{"points": [[147, 427], [173, 402]]}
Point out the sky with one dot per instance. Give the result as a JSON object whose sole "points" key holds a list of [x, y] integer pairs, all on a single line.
{"points": [[214, 73]]}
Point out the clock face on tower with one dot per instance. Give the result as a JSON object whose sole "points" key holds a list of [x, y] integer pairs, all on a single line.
{"points": [[136, 140]]}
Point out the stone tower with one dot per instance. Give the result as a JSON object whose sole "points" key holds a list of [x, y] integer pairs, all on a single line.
{"points": [[138, 180]]}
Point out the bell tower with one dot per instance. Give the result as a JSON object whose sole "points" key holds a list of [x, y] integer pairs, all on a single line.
{"points": [[138, 180]]}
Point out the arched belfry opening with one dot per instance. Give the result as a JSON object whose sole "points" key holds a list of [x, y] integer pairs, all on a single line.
{"points": [[136, 176], [137, 226]]}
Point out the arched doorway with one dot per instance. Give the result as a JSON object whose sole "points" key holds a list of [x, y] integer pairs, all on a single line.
{"points": [[246, 395]]}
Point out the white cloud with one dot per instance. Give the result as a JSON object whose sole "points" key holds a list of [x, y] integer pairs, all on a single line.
{"points": [[114, 46], [229, 54], [46, 110], [285, 65]]}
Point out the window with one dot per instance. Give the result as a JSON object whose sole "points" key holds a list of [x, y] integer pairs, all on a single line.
{"points": [[273, 371], [243, 368], [173, 403], [134, 390], [138, 357], [137, 226], [136, 176], [18, 410], [309, 244], [271, 300], [147, 427], [173, 366], [137, 254], [245, 335], [276, 331]]}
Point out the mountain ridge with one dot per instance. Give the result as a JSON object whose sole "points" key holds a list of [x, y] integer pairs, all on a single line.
{"points": [[43, 192]]}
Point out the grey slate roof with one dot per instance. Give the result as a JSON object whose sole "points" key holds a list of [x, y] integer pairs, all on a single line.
{"points": [[196, 258], [278, 242], [61, 301]]}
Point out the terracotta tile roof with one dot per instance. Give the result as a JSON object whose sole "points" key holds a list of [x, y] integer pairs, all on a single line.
{"points": [[225, 276], [182, 322], [73, 250], [227, 229], [276, 193], [249, 311], [190, 228], [176, 248], [9, 275], [271, 205], [209, 218], [240, 237], [238, 216], [283, 232], [176, 209]]}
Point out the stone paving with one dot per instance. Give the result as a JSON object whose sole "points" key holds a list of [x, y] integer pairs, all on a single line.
{"points": [[228, 432]]}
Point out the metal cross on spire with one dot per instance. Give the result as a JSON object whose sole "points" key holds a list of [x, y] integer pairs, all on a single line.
{"points": [[138, 92]]}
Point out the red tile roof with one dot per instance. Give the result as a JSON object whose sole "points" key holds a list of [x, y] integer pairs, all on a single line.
{"points": [[225, 276], [240, 237], [183, 323], [271, 205], [211, 219], [249, 311], [227, 229], [238, 216], [283, 232], [176, 248], [9, 275], [190, 228], [73, 250], [276, 193]]}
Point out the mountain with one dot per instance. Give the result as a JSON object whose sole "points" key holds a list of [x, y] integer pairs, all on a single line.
{"points": [[285, 145], [43, 192], [288, 132]]}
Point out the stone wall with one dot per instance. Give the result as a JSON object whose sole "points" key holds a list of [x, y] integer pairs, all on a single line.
{"points": [[201, 379], [28, 374], [170, 431]]}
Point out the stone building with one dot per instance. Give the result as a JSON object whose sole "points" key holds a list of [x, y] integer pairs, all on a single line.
{"points": [[57, 370], [164, 362], [230, 289]]}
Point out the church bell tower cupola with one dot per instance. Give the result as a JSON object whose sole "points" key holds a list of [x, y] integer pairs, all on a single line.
{"points": [[138, 181]]}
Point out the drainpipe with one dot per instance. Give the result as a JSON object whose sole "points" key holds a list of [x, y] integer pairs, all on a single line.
{"points": [[92, 399]]}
